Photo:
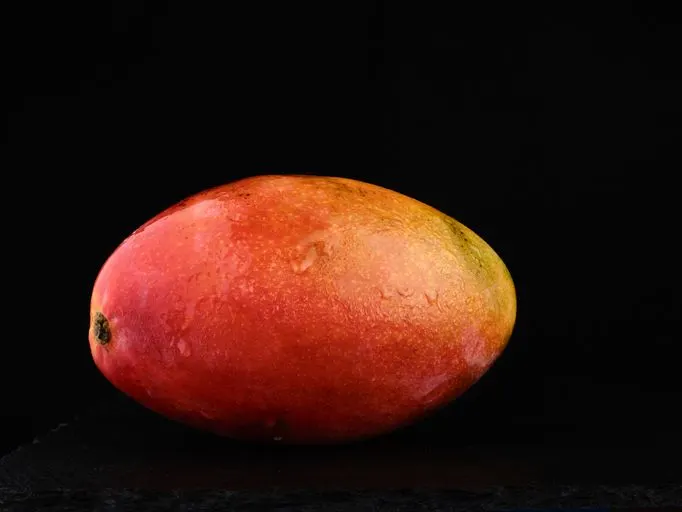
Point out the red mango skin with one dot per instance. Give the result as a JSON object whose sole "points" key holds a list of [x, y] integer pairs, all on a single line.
{"points": [[300, 309]]}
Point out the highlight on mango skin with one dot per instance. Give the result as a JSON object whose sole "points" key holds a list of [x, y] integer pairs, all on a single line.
{"points": [[341, 309]]}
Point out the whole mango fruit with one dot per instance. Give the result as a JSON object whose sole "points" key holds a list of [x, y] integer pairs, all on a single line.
{"points": [[300, 309]]}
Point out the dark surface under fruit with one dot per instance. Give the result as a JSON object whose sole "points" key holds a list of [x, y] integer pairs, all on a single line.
{"points": [[121, 455]]}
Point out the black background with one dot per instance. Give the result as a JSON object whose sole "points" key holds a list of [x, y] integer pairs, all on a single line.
{"points": [[550, 133]]}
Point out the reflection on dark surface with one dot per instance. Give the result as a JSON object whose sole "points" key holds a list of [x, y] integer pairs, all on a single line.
{"points": [[120, 444]]}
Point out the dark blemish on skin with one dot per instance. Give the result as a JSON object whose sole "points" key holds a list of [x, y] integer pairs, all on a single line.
{"points": [[452, 225], [100, 329], [340, 187], [244, 194]]}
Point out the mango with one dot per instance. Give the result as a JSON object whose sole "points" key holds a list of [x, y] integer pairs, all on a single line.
{"points": [[300, 309]]}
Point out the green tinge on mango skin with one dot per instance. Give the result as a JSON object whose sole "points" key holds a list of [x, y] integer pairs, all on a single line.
{"points": [[489, 269]]}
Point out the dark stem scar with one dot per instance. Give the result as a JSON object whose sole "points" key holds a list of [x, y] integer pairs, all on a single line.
{"points": [[100, 329]]}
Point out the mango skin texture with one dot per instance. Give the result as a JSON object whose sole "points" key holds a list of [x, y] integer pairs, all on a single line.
{"points": [[299, 309]]}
